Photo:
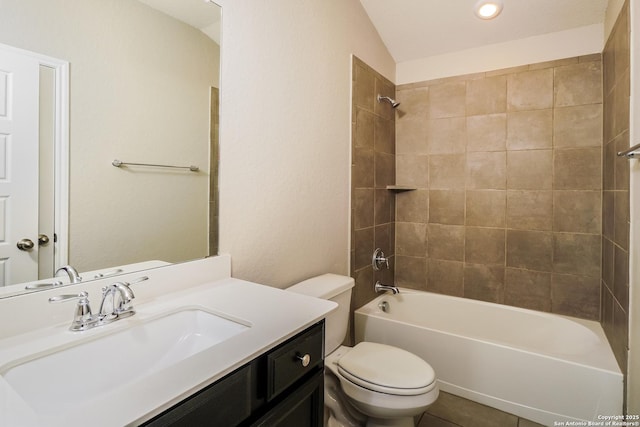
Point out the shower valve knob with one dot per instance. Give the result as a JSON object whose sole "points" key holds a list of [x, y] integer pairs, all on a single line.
{"points": [[378, 259]]}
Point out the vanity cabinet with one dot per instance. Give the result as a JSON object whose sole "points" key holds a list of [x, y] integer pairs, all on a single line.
{"points": [[282, 387]]}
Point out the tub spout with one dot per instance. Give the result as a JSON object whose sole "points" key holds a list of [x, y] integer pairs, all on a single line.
{"points": [[379, 287]]}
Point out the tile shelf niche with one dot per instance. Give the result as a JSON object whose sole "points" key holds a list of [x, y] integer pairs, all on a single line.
{"points": [[399, 188]]}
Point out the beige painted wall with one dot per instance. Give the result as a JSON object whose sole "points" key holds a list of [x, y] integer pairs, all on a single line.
{"points": [[548, 47], [285, 133], [124, 59]]}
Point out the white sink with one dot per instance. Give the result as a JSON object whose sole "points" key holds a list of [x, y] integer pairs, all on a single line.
{"points": [[62, 379]]}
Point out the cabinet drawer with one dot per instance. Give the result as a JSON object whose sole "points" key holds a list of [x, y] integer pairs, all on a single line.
{"points": [[294, 359]]}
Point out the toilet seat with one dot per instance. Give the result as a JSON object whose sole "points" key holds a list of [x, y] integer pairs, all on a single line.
{"points": [[386, 369]]}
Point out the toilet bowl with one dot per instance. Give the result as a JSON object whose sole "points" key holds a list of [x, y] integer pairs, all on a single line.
{"points": [[385, 385]]}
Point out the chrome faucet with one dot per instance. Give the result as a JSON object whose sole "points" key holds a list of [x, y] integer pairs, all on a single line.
{"points": [[74, 277], [379, 287], [120, 296], [117, 295]]}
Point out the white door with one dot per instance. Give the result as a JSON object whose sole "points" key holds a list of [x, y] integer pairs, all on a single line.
{"points": [[19, 76]]}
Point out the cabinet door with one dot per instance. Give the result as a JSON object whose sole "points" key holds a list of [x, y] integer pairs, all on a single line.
{"points": [[223, 404], [302, 408]]}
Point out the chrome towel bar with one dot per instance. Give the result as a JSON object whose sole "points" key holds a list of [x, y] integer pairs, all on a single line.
{"points": [[630, 153], [117, 163]]}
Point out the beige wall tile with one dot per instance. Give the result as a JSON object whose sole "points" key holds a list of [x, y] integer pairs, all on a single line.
{"points": [[385, 169], [609, 166], [414, 104], [484, 282], [384, 207], [577, 254], [487, 132], [621, 276], [577, 169], [364, 242], [528, 130], [448, 135], [447, 100], [364, 129], [411, 136], [620, 340], [577, 211], [445, 277], [487, 95], [446, 242], [412, 170], [487, 170], [363, 289], [385, 136], [411, 239], [485, 208], [579, 126], [621, 216], [446, 207], [364, 208], [362, 168], [621, 93], [364, 88], [578, 84], [530, 90], [529, 210], [621, 173], [607, 262], [412, 206], [411, 272], [529, 170], [608, 215], [484, 245], [447, 171], [384, 238], [528, 289], [529, 249], [575, 296]]}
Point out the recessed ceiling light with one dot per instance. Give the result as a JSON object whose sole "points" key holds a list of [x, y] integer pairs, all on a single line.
{"points": [[488, 9]]}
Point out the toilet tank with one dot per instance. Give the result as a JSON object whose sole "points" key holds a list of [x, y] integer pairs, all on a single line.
{"points": [[336, 288]]}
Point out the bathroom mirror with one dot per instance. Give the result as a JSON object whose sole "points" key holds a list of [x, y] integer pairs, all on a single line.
{"points": [[143, 82]]}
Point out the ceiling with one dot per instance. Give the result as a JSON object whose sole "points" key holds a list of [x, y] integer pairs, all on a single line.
{"points": [[201, 14], [414, 29]]}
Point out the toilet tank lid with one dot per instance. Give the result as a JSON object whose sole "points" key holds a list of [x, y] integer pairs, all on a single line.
{"points": [[325, 286]]}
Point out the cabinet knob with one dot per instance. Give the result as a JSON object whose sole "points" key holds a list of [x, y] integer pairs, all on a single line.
{"points": [[304, 359]]}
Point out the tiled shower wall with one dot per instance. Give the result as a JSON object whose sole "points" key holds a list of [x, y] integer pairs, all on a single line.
{"points": [[508, 175], [615, 206], [372, 169]]}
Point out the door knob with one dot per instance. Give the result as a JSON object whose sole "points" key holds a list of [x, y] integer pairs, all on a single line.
{"points": [[25, 245], [43, 239]]}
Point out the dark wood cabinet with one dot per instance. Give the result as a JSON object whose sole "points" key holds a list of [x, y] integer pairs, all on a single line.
{"points": [[283, 387]]}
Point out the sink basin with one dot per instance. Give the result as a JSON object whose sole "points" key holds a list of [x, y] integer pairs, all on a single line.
{"points": [[62, 379]]}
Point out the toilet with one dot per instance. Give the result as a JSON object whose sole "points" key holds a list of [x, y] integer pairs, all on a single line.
{"points": [[370, 383]]}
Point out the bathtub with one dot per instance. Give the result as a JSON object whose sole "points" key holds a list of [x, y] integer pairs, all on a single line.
{"points": [[544, 367]]}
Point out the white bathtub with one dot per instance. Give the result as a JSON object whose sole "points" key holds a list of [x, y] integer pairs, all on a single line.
{"points": [[543, 367]]}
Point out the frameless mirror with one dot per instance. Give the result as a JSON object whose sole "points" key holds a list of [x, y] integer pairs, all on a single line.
{"points": [[92, 82]]}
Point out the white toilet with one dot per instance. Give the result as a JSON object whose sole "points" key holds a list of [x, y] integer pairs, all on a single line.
{"points": [[386, 386]]}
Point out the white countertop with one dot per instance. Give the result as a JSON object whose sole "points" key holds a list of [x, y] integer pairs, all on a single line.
{"points": [[274, 315]]}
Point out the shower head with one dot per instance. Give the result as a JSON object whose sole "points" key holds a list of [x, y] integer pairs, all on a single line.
{"points": [[391, 101]]}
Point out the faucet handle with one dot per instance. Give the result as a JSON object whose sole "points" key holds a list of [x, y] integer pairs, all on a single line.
{"points": [[67, 297], [82, 317], [378, 259]]}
